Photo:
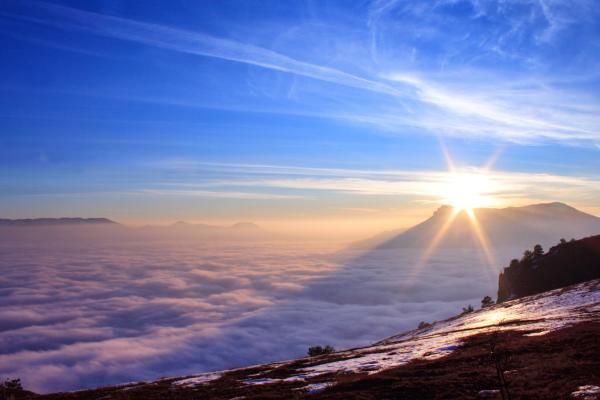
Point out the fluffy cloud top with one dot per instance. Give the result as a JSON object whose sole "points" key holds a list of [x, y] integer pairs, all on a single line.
{"points": [[86, 315]]}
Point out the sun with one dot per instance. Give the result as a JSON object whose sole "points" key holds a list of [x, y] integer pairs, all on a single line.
{"points": [[466, 190]]}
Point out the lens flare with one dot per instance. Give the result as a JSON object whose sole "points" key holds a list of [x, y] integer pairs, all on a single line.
{"points": [[464, 190]]}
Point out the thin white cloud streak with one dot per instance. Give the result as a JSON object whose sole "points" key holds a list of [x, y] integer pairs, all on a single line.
{"points": [[443, 109], [515, 124], [196, 43], [219, 194], [282, 183], [529, 110], [505, 187]]}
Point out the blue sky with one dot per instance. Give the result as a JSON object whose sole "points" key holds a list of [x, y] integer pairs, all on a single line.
{"points": [[294, 111]]}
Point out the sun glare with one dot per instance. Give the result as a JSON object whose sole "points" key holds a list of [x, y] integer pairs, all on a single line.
{"points": [[466, 191]]}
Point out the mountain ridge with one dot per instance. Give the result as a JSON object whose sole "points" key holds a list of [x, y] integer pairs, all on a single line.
{"points": [[543, 223], [55, 221]]}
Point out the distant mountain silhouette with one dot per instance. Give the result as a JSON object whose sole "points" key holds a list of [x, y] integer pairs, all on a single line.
{"points": [[76, 229], [245, 225], [54, 221], [512, 226], [199, 231], [565, 264], [193, 231], [184, 225]]}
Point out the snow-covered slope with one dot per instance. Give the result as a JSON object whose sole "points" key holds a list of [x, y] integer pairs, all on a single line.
{"points": [[538, 315]]}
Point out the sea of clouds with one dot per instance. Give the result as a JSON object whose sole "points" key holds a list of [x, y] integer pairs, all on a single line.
{"points": [[83, 315]]}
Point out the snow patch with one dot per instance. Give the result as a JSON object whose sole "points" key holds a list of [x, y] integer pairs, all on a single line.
{"points": [[541, 313], [316, 387], [260, 381], [198, 379], [587, 392], [489, 393], [541, 333]]}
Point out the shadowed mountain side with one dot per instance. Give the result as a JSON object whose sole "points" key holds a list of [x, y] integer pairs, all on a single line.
{"points": [[512, 226], [377, 240]]}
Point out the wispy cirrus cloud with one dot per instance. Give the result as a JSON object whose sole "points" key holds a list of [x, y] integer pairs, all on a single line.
{"points": [[219, 194], [194, 43], [522, 105]]}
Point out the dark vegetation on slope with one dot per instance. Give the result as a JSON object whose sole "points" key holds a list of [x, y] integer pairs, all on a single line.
{"points": [[537, 367], [565, 264]]}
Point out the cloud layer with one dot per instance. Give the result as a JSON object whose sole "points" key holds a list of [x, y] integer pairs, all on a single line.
{"points": [[88, 315]]}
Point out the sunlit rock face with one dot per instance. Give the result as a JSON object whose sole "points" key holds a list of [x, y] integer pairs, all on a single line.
{"points": [[564, 264]]}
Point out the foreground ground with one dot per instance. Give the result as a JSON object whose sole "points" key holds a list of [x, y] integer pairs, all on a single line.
{"points": [[540, 347]]}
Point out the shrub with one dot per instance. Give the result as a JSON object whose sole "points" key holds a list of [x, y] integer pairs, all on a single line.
{"points": [[319, 350], [468, 309], [9, 388], [486, 302], [423, 325]]}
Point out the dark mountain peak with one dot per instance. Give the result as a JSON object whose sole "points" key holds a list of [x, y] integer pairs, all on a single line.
{"points": [[444, 209], [55, 221], [245, 225], [190, 225]]}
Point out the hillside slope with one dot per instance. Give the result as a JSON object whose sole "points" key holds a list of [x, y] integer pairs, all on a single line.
{"points": [[545, 346]]}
